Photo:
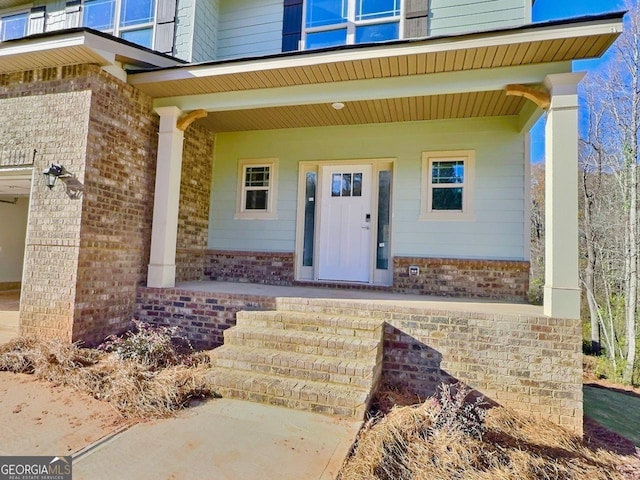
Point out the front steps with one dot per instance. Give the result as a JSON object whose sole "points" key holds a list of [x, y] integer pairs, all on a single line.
{"points": [[306, 361]]}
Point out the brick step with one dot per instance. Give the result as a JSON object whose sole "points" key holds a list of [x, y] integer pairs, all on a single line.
{"points": [[303, 342], [313, 322], [337, 307], [297, 365], [320, 397]]}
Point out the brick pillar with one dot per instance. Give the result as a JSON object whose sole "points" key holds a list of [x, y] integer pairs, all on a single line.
{"points": [[162, 262]]}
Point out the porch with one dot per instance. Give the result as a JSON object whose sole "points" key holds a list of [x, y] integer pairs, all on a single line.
{"points": [[509, 352]]}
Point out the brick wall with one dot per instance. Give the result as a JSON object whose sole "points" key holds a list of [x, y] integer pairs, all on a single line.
{"points": [[530, 364], [118, 207], [87, 238], [252, 267], [497, 279], [203, 316], [193, 214]]}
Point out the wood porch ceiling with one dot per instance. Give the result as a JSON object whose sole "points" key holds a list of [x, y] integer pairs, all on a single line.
{"points": [[433, 107]]}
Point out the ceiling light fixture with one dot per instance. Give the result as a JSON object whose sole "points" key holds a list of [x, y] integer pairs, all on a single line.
{"points": [[337, 105]]}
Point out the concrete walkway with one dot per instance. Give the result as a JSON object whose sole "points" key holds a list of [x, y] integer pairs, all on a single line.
{"points": [[224, 439]]}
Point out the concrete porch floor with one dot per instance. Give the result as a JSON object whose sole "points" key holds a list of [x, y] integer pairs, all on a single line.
{"points": [[366, 297]]}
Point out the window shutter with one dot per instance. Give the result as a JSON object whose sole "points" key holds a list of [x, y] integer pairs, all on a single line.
{"points": [[291, 25], [165, 26], [36, 20], [416, 18], [72, 14]]}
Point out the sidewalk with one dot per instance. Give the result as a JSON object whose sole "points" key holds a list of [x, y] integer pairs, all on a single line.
{"points": [[224, 439]]}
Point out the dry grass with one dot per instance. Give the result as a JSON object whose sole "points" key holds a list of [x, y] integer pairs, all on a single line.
{"points": [[132, 388], [404, 445]]}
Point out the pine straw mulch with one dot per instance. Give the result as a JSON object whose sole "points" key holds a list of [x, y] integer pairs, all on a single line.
{"points": [[403, 445], [134, 389]]}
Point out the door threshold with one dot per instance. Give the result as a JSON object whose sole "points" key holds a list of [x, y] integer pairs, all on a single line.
{"points": [[345, 285]]}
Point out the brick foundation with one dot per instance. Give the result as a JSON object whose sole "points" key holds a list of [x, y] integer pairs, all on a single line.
{"points": [[203, 316], [251, 267], [530, 364], [496, 279]]}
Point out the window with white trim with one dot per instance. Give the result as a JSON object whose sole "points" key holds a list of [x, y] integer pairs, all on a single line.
{"points": [[14, 25], [447, 185], [132, 20], [329, 23], [257, 189]]}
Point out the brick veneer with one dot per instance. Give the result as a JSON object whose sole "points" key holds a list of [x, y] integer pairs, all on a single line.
{"points": [[203, 316], [193, 214], [88, 238], [532, 364], [497, 279], [253, 267]]}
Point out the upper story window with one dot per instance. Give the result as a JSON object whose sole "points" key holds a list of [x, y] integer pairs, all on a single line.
{"points": [[13, 26], [329, 23], [132, 20]]}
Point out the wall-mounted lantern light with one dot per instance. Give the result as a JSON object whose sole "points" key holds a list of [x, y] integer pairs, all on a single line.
{"points": [[52, 173]]}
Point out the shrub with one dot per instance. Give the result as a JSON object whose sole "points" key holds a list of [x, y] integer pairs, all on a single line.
{"points": [[155, 347], [457, 412]]}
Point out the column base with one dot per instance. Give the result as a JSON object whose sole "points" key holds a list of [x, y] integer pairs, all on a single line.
{"points": [[562, 302], [161, 276]]}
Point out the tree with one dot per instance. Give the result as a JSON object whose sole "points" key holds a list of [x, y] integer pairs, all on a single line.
{"points": [[609, 160]]}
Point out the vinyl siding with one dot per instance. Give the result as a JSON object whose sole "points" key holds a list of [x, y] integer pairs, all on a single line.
{"points": [[496, 232], [450, 17], [205, 34], [249, 28]]}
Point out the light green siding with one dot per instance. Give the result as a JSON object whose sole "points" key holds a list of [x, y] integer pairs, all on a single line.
{"points": [[497, 231], [452, 17]]}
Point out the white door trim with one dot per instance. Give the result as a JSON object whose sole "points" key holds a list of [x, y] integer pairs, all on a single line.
{"points": [[310, 273]]}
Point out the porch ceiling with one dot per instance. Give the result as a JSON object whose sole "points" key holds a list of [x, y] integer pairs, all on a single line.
{"points": [[432, 107]]}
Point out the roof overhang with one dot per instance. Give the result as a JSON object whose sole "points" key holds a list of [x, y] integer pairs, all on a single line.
{"points": [[76, 46], [434, 78]]}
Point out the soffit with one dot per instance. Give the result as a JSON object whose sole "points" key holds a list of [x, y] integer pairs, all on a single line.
{"points": [[73, 47], [433, 107], [535, 45]]}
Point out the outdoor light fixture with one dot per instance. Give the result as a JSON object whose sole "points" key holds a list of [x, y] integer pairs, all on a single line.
{"points": [[52, 173], [337, 105]]}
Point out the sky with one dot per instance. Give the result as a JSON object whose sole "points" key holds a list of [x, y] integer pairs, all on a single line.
{"points": [[545, 10]]}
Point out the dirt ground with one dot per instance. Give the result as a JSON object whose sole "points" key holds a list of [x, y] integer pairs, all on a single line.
{"points": [[43, 419]]}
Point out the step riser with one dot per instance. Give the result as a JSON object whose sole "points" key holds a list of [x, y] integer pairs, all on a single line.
{"points": [[348, 310], [350, 353], [301, 374], [333, 324], [353, 412], [331, 330]]}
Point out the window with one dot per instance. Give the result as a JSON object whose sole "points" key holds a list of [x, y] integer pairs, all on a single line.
{"points": [[330, 23], [447, 185], [13, 26], [132, 20], [257, 189]]}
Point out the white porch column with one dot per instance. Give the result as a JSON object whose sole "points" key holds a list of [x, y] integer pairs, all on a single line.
{"points": [[562, 290], [164, 232]]}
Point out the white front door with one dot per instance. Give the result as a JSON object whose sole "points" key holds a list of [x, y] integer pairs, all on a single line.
{"points": [[345, 223]]}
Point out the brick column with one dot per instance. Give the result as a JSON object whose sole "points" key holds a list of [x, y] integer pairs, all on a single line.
{"points": [[162, 262], [562, 290]]}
